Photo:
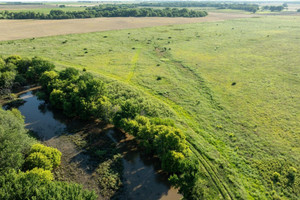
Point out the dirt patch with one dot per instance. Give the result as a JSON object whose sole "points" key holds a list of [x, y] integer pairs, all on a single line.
{"points": [[21, 29], [75, 164], [89, 158]]}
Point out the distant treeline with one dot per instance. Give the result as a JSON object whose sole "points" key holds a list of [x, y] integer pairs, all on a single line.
{"points": [[273, 8], [105, 11], [247, 7]]}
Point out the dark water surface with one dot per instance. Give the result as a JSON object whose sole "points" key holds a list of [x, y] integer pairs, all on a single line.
{"points": [[142, 178]]}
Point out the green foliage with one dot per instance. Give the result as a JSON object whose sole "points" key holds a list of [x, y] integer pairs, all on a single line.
{"points": [[190, 183], [76, 94], [280, 176], [14, 141], [16, 71], [14, 59], [172, 161], [37, 184], [108, 10], [273, 8], [37, 68], [2, 64], [53, 154], [276, 176], [39, 160], [57, 99], [237, 6], [7, 79], [45, 175], [167, 142], [48, 78], [109, 179]]}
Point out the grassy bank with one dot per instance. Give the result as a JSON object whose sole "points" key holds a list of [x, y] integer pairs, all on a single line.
{"points": [[233, 86]]}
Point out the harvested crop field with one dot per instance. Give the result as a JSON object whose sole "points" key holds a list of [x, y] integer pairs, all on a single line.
{"points": [[21, 29]]}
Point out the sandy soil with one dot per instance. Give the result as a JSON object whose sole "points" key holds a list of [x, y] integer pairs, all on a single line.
{"points": [[21, 29]]}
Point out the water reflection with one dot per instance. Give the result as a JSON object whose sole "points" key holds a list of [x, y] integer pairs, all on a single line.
{"points": [[39, 118], [142, 176]]}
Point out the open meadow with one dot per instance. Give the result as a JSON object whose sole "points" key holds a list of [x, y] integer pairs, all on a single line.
{"points": [[230, 81]]}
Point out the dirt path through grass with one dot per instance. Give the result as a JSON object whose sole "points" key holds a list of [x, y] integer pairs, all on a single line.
{"points": [[21, 29]]}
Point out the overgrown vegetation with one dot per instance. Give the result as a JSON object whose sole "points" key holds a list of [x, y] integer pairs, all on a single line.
{"points": [[16, 72], [80, 94], [18, 151]]}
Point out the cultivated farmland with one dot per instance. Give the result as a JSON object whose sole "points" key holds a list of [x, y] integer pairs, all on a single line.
{"points": [[20, 29]]}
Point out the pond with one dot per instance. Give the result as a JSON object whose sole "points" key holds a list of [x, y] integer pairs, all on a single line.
{"points": [[142, 178]]}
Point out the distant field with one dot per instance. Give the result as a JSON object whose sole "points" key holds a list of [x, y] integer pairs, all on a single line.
{"points": [[234, 86], [20, 29]]}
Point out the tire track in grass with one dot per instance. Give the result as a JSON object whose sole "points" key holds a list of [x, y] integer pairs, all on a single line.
{"points": [[181, 112], [133, 65]]}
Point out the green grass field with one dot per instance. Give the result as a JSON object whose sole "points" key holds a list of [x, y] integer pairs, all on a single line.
{"points": [[234, 87]]}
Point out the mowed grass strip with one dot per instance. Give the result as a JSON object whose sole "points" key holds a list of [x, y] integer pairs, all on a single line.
{"points": [[234, 86]]}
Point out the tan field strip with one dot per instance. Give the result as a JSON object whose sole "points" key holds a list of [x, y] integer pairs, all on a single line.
{"points": [[21, 29]]}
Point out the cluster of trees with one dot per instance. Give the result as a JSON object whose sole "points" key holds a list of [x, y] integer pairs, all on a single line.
{"points": [[15, 71], [123, 11], [298, 10], [247, 7], [25, 166], [74, 93], [79, 94], [273, 8], [105, 11]]}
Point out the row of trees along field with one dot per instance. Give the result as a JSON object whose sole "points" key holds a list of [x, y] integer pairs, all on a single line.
{"points": [[104, 11], [82, 95], [236, 6], [273, 8]]}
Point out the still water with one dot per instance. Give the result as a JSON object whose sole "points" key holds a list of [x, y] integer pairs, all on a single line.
{"points": [[142, 178]]}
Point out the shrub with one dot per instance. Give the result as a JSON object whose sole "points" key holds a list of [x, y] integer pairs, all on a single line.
{"points": [[36, 184], [39, 160], [14, 59], [276, 176], [14, 141], [53, 154], [37, 68], [45, 175]]}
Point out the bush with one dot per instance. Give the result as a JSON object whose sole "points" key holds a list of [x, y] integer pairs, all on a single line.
{"points": [[53, 154], [45, 175], [37, 68], [37, 184], [14, 141], [39, 160], [14, 59]]}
